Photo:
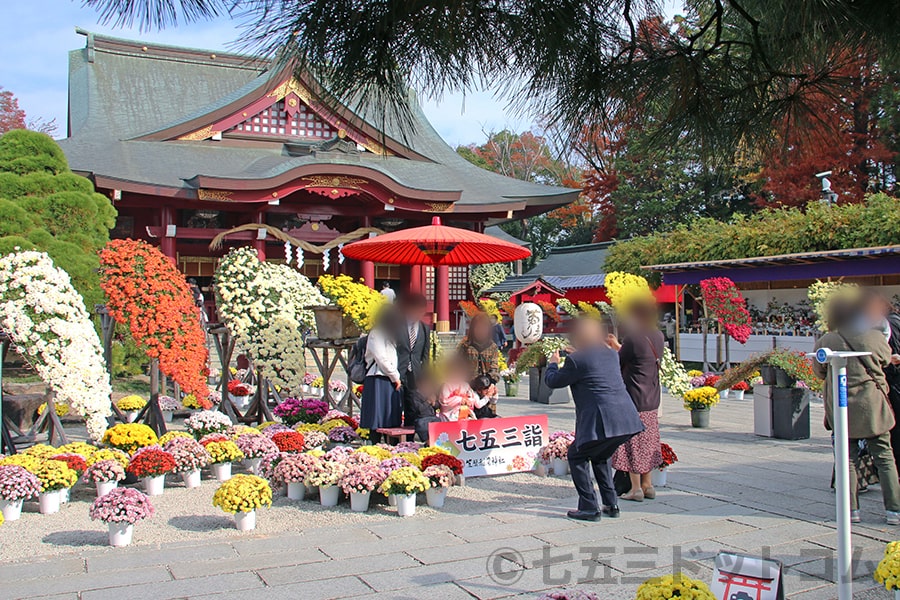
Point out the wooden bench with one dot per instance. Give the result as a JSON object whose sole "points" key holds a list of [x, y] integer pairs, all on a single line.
{"points": [[395, 435]]}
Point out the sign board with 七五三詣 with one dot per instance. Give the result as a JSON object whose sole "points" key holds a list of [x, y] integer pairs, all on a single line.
{"points": [[492, 446]]}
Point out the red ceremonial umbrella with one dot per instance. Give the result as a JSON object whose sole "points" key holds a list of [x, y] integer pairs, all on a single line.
{"points": [[436, 245]]}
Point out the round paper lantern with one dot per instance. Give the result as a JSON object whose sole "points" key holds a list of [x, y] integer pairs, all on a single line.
{"points": [[528, 322]]}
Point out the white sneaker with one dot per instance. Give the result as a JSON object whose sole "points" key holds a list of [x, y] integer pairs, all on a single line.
{"points": [[854, 517], [892, 518]]}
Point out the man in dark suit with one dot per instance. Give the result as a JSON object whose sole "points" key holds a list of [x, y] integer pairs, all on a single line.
{"points": [[605, 416], [412, 349]]}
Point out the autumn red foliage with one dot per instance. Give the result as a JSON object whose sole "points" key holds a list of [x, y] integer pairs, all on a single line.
{"points": [[145, 291]]}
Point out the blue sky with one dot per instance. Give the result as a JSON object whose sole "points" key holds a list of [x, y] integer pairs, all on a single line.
{"points": [[36, 36]]}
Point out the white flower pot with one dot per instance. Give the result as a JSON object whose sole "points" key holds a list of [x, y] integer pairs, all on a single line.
{"points": [[329, 495], [304, 388], [541, 470], [658, 477], [222, 471], [167, 415], [560, 467], [461, 480], [11, 509], [897, 594], [120, 534], [131, 415], [245, 521], [359, 501], [392, 500], [49, 502], [191, 479], [436, 496], [738, 394], [64, 495], [406, 505], [252, 464], [105, 487], [296, 490], [723, 395], [154, 486]]}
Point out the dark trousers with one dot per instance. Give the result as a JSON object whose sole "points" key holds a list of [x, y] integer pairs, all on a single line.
{"points": [[594, 455], [408, 381]]}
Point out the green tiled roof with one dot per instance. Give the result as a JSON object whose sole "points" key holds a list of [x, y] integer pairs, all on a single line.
{"points": [[121, 90]]}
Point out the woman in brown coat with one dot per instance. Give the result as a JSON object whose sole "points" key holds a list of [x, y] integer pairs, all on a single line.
{"points": [[870, 417]]}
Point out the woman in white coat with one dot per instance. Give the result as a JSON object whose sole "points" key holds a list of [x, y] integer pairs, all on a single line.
{"points": [[382, 400]]}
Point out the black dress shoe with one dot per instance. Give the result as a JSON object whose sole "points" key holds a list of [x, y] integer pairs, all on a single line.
{"points": [[611, 511], [583, 515]]}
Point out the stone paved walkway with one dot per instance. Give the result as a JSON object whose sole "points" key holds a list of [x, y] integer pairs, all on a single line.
{"points": [[731, 490]]}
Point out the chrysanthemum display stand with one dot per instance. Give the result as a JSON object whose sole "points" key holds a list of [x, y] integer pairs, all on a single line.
{"points": [[151, 415], [48, 420], [6, 442], [224, 343], [258, 411], [328, 354]]}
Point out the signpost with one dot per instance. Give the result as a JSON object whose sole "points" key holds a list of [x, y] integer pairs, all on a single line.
{"points": [[492, 446], [837, 362]]}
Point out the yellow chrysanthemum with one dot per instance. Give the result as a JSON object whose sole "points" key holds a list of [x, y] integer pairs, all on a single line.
{"points": [[171, 435], [109, 454]]}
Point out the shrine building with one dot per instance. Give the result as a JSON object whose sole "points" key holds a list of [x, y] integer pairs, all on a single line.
{"points": [[191, 144]]}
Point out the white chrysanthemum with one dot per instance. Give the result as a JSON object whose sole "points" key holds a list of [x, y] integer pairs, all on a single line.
{"points": [[47, 320]]}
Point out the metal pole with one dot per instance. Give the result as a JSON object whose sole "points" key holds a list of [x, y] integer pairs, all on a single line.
{"points": [[842, 478], [837, 362]]}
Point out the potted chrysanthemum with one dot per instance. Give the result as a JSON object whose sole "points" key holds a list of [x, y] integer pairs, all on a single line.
{"points": [[168, 405], [293, 470], [441, 477], [361, 478], [404, 483], [120, 509], [300, 410], [17, 484], [54, 476], [326, 475], [105, 475], [888, 571], [666, 587], [242, 495], [128, 437], [314, 440], [288, 441], [221, 455], [205, 422], [699, 401], [190, 456], [255, 447], [438, 458], [739, 389], [659, 476], [150, 465], [77, 463], [131, 406]]}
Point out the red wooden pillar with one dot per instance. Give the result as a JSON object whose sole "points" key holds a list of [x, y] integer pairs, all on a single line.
{"points": [[260, 244], [415, 279], [367, 267], [167, 243], [442, 298]]}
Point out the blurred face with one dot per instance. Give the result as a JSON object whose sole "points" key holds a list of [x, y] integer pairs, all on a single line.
{"points": [[586, 333], [481, 330]]}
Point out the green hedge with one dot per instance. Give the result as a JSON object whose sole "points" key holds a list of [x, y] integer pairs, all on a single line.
{"points": [[767, 233]]}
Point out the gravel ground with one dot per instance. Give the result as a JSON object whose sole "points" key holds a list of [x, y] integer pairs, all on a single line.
{"points": [[186, 514]]}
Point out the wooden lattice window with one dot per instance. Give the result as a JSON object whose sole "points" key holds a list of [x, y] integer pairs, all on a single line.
{"points": [[459, 283], [283, 120]]}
